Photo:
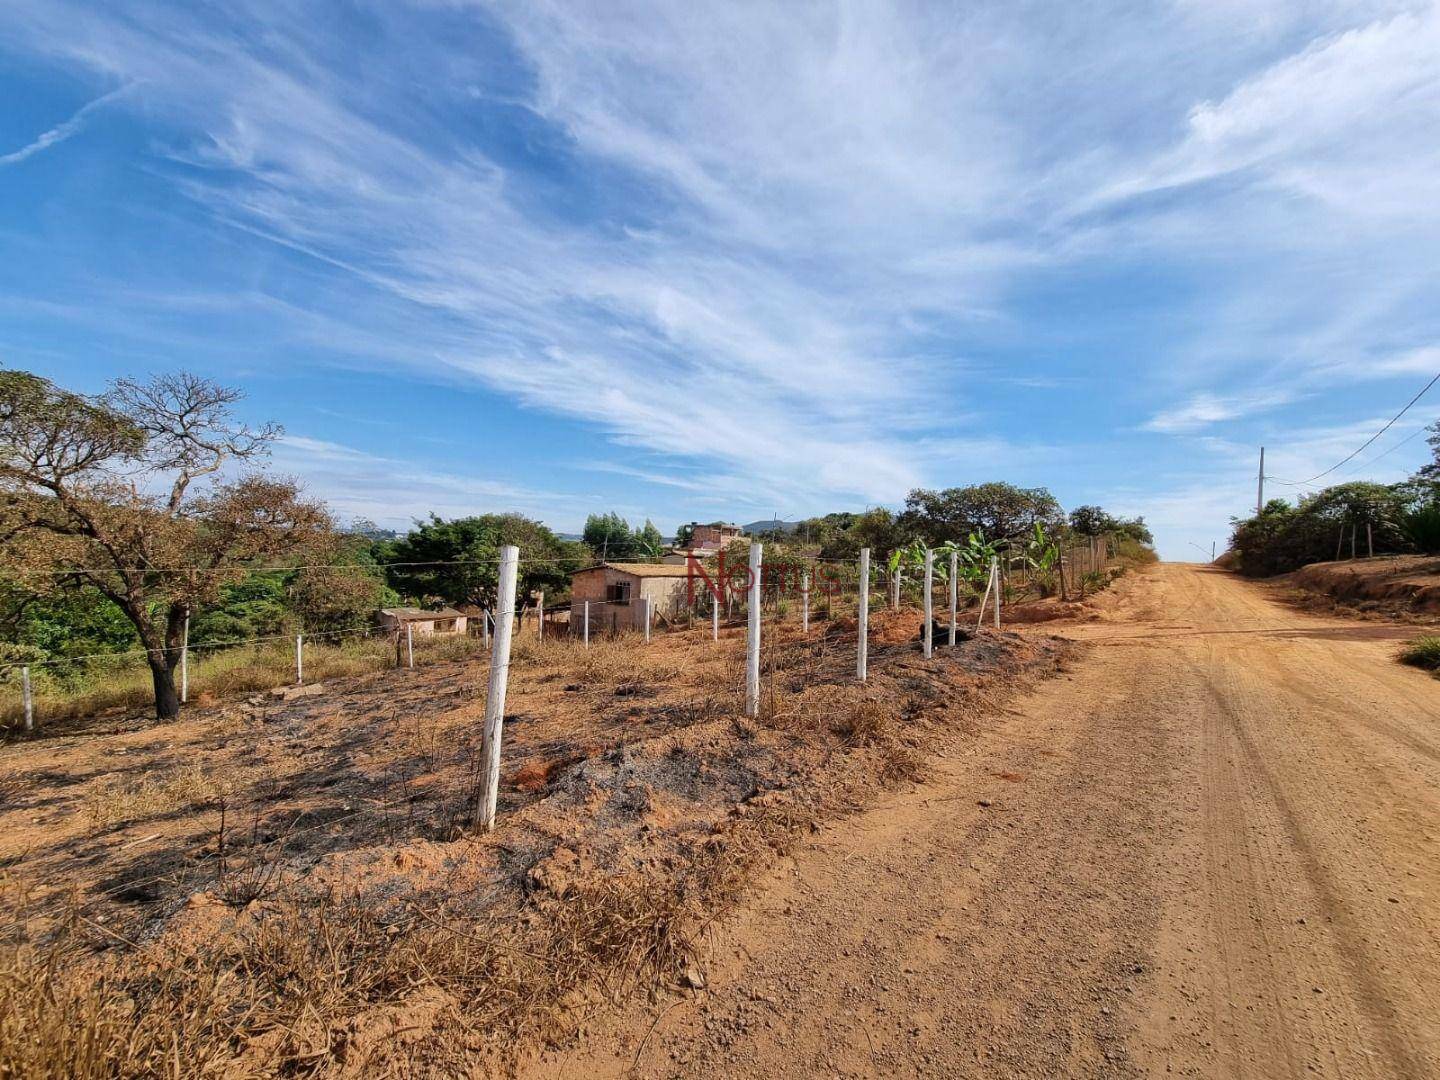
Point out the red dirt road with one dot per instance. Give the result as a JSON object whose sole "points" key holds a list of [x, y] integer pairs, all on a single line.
{"points": [[1213, 849]]}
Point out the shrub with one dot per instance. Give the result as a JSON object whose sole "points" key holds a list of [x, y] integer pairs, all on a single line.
{"points": [[1423, 652]]}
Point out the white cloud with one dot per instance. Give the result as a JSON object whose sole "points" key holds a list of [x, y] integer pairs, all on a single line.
{"points": [[775, 220], [1204, 409], [60, 132]]}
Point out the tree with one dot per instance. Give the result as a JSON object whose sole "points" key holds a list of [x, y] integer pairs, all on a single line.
{"points": [[458, 562], [103, 493], [1090, 521], [344, 594], [997, 510], [648, 541], [1097, 521], [608, 536], [1284, 537]]}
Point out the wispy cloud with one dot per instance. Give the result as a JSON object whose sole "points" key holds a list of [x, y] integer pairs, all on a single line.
{"points": [[60, 132], [765, 244], [1205, 409]]}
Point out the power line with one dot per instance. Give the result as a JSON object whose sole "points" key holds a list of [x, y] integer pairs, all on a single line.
{"points": [[1389, 424], [1385, 453]]}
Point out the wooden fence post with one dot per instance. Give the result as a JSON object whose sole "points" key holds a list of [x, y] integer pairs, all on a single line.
{"points": [[752, 634], [714, 617], [995, 572], [29, 698], [586, 624], [646, 601], [954, 592], [485, 626], [410, 644], [805, 603], [495, 692], [928, 605], [185, 660], [540, 617], [1369, 540], [299, 659], [862, 618]]}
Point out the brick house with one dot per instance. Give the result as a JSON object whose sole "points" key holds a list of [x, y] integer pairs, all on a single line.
{"points": [[613, 589], [424, 623]]}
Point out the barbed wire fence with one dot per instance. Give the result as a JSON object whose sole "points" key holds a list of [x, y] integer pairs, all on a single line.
{"points": [[840, 593], [1077, 566]]}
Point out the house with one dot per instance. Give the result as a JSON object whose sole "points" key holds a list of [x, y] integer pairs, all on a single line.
{"points": [[423, 623], [713, 536], [614, 589]]}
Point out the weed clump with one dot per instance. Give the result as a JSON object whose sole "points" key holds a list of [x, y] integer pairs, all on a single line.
{"points": [[1423, 652]]}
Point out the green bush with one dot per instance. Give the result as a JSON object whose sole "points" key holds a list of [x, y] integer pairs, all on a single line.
{"points": [[1421, 526], [1423, 652]]}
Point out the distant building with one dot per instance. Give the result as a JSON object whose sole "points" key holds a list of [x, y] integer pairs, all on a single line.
{"points": [[716, 534], [423, 623], [614, 589]]}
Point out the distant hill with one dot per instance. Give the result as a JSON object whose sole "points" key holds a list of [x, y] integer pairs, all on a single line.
{"points": [[770, 526]]}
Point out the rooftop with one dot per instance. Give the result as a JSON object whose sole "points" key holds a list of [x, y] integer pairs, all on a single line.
{"points": [[410, 614], [642, 569]]}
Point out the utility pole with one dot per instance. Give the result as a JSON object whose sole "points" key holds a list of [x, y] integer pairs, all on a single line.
{"points": [[1260, 489]]}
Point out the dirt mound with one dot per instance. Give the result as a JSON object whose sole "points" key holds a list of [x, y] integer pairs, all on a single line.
{"points": [[1384, 584]]}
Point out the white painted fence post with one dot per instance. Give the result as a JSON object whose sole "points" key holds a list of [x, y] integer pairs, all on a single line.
{"points": [[862, 648], [995, 573], [185, 660], [805, 603], [714, 617], [495, 692], [587, 624], [409, 644], [28, 697], [954, 592], [927, 607], [752, 635], [299, 659], [485, 626], [895, 590], [646, 601]]}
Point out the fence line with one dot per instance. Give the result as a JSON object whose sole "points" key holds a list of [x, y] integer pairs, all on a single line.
{"points": [[1084, 559]]}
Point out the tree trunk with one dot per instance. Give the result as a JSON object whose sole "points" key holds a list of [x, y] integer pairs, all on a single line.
{"points": [[167, 698]]}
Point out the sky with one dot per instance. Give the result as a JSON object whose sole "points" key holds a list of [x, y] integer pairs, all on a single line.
{"points": [[742, 260]]}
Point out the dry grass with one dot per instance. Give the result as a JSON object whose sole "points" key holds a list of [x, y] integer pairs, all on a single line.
{"points": [[186, 789], [126, 685], [297, 968], [331, 984]]}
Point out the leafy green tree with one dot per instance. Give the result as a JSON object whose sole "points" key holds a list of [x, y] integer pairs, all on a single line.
{"points": [[458, 562], [997, 510], [78, 622], [1282, 537], [1096, 521], [648, 541], [608, 536]]}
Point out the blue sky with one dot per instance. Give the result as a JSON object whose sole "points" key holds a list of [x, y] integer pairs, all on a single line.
{"points": [[698, 261]]}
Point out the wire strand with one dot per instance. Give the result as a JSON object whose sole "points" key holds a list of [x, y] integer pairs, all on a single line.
{"points": [[1388, 425]]}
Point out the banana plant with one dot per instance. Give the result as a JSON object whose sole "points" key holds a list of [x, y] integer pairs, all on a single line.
{"points": [[1040, 555], [972, 558]]}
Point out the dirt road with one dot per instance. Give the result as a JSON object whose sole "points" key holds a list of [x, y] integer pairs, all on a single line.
{"points": [[1212, 849]]}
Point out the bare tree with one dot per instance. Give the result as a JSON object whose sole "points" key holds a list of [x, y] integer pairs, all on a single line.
{"points": [[102, 491]]}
